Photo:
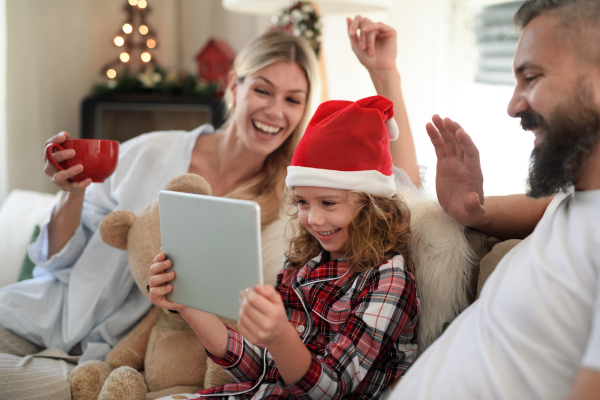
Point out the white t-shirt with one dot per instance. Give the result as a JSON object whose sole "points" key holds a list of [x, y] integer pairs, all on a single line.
{"points": [[536, 323]]}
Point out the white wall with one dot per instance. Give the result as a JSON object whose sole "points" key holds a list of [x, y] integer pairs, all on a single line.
{"points": [[3, 145], [437, 60], [56, 48]]}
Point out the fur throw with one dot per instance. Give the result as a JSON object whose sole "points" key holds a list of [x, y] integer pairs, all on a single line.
{"points": [[442, 258]]}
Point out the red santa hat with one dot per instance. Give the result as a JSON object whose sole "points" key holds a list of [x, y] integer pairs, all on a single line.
{"points": [[347, 146]]}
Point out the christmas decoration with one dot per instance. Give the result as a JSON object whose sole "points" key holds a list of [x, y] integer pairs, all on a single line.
{"points": [[300, 19], [360, 133], [135, 70], [135, 40], [214, 62], [156, 80]]}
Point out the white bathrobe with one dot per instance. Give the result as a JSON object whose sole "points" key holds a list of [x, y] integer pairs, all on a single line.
{"points": [[85, 293]]}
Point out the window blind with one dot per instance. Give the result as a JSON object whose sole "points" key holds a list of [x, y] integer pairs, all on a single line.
{"points": [[496, 43]]}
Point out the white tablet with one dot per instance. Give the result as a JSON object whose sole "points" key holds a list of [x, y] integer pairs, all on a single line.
{"points": [[215, 246]]}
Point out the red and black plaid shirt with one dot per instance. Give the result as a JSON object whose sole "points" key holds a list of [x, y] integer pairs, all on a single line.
{"points": [[359, 328]]}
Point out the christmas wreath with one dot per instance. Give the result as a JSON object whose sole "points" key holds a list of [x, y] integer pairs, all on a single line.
{"points": [[301, 19]]}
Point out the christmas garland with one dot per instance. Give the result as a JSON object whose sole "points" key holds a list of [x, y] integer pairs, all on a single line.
{"points": [[156, 80]]}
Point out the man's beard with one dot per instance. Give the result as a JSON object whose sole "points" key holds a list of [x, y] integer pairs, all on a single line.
{"points": [[570, 137]]}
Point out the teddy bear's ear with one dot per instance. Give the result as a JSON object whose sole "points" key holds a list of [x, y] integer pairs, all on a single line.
{"points": [[114, 228], [189, 183]]}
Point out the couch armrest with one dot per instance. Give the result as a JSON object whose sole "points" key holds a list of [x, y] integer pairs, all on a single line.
{"points": [[20, 213], [492, 259], [488, 251], [481, 243]]}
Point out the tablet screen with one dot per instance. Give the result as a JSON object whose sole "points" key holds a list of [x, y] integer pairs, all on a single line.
{"points": [[215, 246]]}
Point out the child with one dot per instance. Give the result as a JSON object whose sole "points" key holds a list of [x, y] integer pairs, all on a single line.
{"points": [[341, 321]]}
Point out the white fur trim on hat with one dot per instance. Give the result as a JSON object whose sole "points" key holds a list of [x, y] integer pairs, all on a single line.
{"points": [[392, 128], [369, 181]]}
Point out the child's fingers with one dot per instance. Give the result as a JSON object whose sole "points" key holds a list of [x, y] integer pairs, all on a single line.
{"points": [[157, 297], [245, 296], [159, 291], [159, 267], [257, 300], [269, 293], [249, 329], [160, 256], [251, 313], [161, 279]]}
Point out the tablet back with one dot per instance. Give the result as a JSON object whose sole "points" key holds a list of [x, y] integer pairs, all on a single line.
{"points": [[215, 246]]}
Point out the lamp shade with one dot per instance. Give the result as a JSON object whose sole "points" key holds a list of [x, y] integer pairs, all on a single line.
{"points": [[273, 7]]}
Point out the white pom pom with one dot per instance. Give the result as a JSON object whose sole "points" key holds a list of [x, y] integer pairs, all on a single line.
{"points": [[392, 128]]}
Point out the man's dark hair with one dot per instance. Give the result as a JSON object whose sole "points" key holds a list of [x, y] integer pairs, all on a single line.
{"points": [[579, 24]]}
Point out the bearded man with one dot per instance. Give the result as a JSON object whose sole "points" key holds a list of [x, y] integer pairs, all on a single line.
{"points": [[534, 333]]}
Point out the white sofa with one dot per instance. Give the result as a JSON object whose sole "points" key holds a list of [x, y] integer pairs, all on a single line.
{"points": [[22, 210], [19, 214]]}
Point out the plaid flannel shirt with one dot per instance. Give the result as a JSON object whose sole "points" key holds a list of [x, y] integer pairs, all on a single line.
{"points": [[359, 328]]}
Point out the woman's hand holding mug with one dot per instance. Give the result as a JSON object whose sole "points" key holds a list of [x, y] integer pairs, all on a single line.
{"points": [[61, 177], [75, 163]]}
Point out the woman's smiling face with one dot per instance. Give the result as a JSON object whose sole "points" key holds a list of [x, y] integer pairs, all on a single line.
{"points": [[326, 213], [269, 105]]}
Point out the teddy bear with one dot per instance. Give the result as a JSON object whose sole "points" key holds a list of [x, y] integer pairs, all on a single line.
{"points": [[162, 344]]}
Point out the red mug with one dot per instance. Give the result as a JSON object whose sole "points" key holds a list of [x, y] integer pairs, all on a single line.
{"points": [[98, 157]]}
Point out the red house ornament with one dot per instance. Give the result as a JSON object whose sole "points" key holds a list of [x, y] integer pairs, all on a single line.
{"points": [[215, 60]]}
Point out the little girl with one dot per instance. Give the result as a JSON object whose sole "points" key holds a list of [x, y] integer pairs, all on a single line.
{"points": [[341, 321]]}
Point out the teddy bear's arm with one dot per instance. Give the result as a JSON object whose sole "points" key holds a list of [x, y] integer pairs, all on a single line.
{"points": [[130, 351]]}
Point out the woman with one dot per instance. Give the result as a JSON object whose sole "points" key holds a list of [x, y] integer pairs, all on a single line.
{"points": [[82, 291]]}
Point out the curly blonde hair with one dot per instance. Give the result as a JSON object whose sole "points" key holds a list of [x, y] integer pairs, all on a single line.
{"points": [[379, 230]]}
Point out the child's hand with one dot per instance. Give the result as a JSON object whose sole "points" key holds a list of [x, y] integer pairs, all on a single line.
{"points": [[262, 314], [159, 285]]}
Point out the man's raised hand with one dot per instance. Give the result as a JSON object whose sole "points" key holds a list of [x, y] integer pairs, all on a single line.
{"points": [[459, 180]]}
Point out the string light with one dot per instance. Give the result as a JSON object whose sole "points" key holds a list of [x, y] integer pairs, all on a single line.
{"points": [[131, 49]]}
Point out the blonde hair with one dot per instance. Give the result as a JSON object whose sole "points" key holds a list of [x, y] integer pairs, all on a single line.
{"points": [[380, 229], [266, 188]]}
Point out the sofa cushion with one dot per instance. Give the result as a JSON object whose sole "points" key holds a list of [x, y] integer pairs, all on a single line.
{"points": [[27, 265], [481, 243], [491, 259], [20, 213]]}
